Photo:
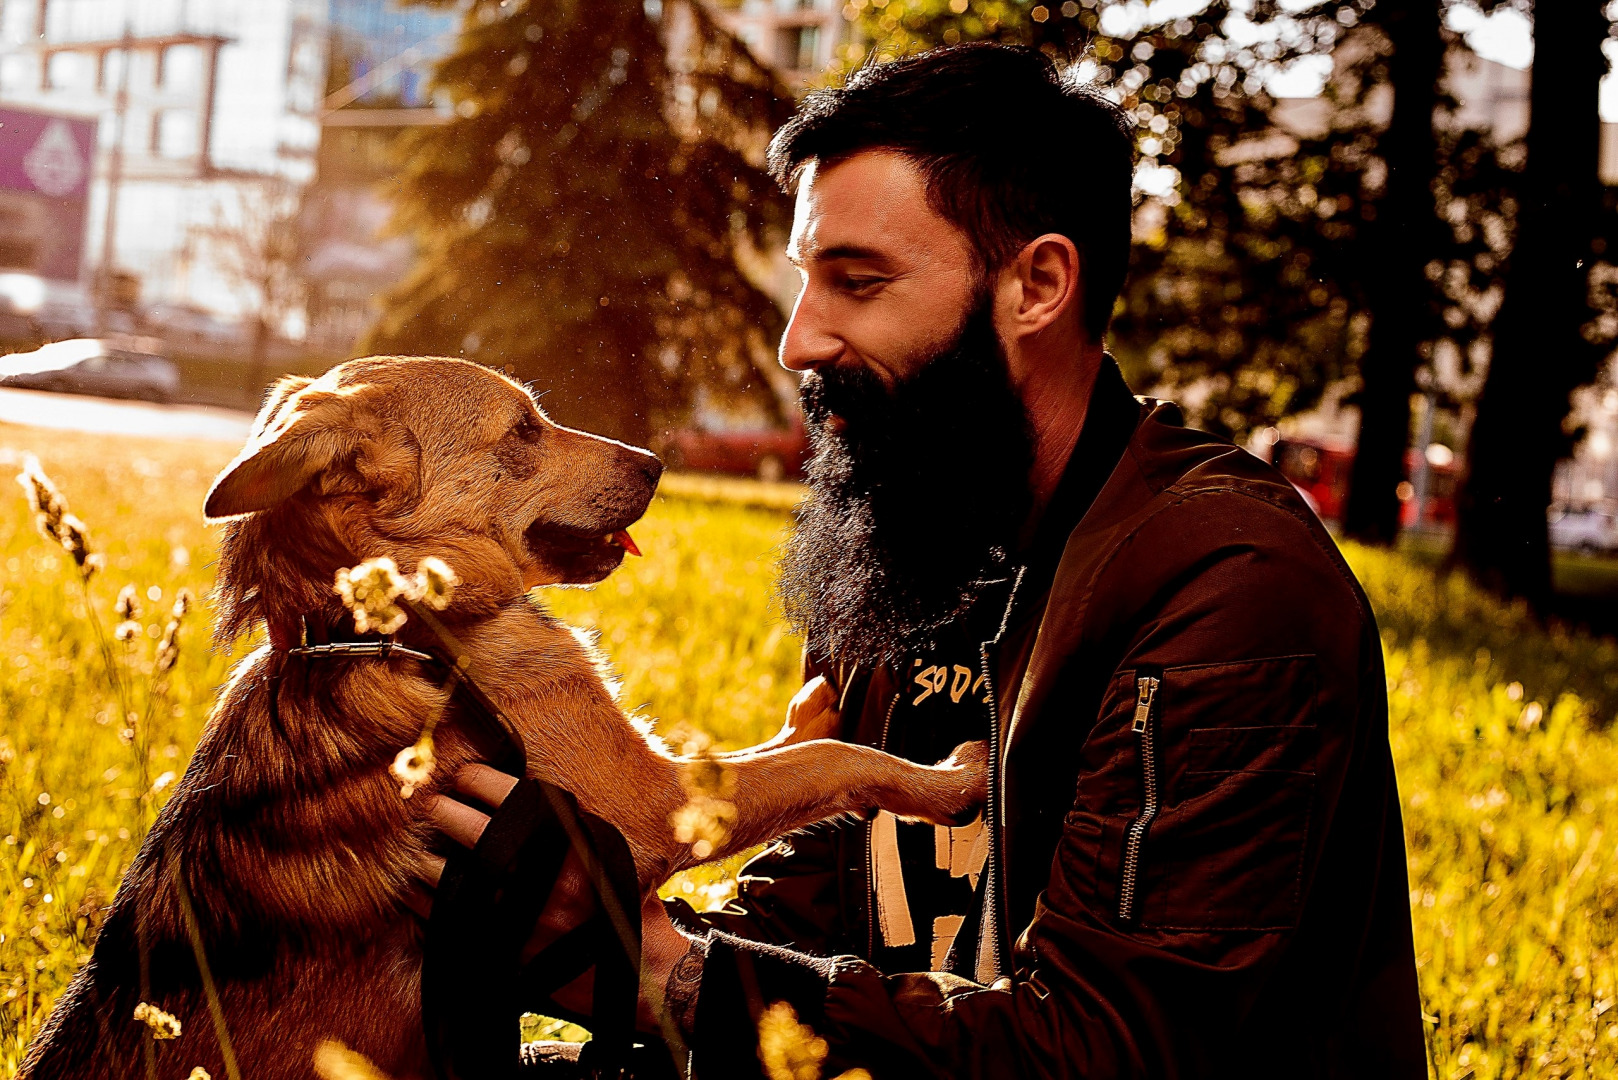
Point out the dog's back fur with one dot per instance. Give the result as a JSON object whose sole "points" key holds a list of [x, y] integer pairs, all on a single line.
{"points": [[287, 832]]}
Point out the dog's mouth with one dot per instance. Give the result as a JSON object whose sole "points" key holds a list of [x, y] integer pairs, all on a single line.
{"points": [[578, 556]]}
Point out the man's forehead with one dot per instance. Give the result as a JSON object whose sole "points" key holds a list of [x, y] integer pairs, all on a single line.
{"points": [[872, 204]]}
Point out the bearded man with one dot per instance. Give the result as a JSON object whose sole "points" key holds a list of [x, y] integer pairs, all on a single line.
{"points": [[1191, 862]]}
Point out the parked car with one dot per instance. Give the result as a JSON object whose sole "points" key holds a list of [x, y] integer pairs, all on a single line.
{"points": [[1588, 530], [109, 367], [765, 453]]}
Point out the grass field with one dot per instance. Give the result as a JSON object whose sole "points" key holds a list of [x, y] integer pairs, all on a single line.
{"points": [[1501, 732]]}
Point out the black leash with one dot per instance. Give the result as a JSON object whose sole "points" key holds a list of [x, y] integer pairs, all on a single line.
{"points": [[475, 984]]}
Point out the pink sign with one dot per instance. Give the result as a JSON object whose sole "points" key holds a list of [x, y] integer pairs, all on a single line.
{"points": [[46, 162]]}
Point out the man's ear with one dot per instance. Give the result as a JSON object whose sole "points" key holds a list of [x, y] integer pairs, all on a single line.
{"points": [[304, 427], [1043, 282]]}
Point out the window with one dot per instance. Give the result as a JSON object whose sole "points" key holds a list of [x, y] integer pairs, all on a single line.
{"points": [[16, 72], [112, 71], [68, 71], [798, 47], [180, 68], [175, 135]]}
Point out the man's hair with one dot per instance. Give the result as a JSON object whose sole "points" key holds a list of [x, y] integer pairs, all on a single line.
{"points": [[1010, 150]]}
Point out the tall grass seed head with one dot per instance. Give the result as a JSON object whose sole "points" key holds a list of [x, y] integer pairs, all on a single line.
{"points": [[128, 630], [435, 583], [184, 600], [168, 648], [127, 606], [704, 822], [163, 1025], [199, 1073], [51, 516], [370, 591]]}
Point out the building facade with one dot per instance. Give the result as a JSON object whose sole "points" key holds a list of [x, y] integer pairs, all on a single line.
{"points": [[206, 112], [798, 38]]}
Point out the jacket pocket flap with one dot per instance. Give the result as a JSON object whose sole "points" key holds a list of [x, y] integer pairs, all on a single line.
{"points": [[1251, 749]]}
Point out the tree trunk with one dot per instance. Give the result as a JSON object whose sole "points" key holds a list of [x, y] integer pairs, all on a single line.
{"points": [[259, 369], [1403, 238], [1540, 354]]}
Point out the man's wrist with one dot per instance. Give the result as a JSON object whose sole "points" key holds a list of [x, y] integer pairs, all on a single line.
{"points": [[684, 984]]}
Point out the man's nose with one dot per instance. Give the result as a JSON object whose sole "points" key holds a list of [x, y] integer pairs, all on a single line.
{"points": [[809, 342]]}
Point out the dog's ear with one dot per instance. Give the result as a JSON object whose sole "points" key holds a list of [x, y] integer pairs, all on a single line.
{"points": [[304, 427]]}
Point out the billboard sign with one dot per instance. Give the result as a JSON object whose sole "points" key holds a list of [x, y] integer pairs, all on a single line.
{"points": [[45, 166]]}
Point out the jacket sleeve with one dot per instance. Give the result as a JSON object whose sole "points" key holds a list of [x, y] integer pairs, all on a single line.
{"points": [[793, 893], [1252, 757]]}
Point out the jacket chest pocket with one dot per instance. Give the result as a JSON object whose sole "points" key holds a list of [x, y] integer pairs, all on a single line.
{"points": [[1225, 763]]}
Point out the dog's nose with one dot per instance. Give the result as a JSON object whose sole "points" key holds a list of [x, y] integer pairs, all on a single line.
{"points": [[652, 467]]}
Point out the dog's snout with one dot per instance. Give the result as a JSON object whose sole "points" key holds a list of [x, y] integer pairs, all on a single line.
{"points": [[651, 466]]}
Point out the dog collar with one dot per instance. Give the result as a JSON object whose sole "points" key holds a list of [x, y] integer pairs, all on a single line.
{"points": [[382, 646]]}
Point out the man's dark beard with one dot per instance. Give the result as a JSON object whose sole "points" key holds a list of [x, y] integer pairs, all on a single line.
{"points": [[915, 504]]}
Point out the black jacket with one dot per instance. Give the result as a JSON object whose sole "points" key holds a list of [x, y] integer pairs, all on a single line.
{"points": [[1196, 861]]}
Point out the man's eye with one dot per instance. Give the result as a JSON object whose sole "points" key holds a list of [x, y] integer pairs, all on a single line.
{"points": [[861, 284]]}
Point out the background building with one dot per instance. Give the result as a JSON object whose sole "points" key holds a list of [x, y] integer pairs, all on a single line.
{"points": [[199, 106], [799, 38]]}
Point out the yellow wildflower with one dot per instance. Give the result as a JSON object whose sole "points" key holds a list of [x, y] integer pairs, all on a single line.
{"points": [[792, 1051], [334, 1061], [414, 765], [164, 1025], [789, 1050]]}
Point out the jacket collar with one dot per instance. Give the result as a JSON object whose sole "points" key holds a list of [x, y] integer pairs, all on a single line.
{"points": [[1109, 424]]}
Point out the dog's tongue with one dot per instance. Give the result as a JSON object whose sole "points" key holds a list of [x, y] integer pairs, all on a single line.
{"points": [[625, 541]]}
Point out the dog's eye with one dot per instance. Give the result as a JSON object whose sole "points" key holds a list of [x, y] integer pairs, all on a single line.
{"points": [[528, 430]]}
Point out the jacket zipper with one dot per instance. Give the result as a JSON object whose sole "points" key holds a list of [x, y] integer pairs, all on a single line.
{"points": [[991, 820], [1135, 836], [870, 867], [993, 921]]}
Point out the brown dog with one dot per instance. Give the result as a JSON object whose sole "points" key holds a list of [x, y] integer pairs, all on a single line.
{"points": [[288, 838]]}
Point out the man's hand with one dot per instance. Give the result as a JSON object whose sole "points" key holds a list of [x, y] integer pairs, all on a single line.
{"points": [[571, 902], [811, 714]]}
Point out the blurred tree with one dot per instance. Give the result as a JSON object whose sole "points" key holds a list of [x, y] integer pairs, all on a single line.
{"points": [[580, 218], [1545, 343], [1406, 234], [255, 243]]}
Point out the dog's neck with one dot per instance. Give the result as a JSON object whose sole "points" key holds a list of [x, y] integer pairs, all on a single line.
{"points": [[279, 567]]}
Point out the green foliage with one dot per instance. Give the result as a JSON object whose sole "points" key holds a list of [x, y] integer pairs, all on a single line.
{"points": [[1500, 733], [1510, 802], [580, 217]]}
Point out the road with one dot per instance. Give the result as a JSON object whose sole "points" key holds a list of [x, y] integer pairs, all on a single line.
{"points": [[109, 416]]}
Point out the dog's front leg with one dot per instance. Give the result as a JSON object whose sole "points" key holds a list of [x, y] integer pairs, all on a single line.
{"points": [[780, 790]]}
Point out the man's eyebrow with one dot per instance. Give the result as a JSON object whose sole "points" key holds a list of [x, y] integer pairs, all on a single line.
{"points": [[840, 251]]}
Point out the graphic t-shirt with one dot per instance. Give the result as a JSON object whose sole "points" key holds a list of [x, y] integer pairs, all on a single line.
{"points": [[925, 876]]}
